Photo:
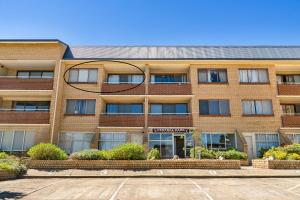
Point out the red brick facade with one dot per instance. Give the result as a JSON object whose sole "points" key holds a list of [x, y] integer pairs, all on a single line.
{"points": [[170, 121], [170, 89], [24, 117], [26, 83]]}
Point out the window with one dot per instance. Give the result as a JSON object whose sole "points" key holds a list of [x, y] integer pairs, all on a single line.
{"points": [[212, 76], [214, 107], [75, 141], [254, 76], [125, 78], [163, 142], [168, 78], [75, 106], [218, 141], [35, 74], [179, 108], [288, 79], [290, 109], [32, 106], [111, 140], [294, 137], [257, 107], [83, 75], [266, 141], [16, 140], [124, 108]]}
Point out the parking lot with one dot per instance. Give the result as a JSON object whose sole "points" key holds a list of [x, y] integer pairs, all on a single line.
{"points": [[151, 188]]}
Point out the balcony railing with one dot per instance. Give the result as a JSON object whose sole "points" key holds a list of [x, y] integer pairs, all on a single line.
{"points": [[15, 83], [122, 120], [9, 116], [292, 121], [170, 120], [113, 88], [288, 88], [170, 89]]}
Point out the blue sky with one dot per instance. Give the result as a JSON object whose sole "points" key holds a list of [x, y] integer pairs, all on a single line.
{"points": [[153, 22]]}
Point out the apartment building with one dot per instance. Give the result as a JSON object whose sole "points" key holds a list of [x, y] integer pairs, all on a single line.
{"points": [[243, 97]]}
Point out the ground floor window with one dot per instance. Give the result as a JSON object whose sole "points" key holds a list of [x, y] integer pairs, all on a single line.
{"points": [[163, 142], [264, 141], [75, 141], [16, 140], [218, 141], [111, 140], [294, 137]]}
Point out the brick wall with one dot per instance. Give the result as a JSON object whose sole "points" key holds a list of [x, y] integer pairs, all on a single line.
{"points": [[26, 84], [122, 120], [139, 90], [170, 121], [4, 175], [290, 121], [134, 164], [286, 89], [276, 164], [12, 117], [170, 89]]}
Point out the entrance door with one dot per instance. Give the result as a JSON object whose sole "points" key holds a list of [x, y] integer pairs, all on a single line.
{"points": [[179, 146], [250, 147]]}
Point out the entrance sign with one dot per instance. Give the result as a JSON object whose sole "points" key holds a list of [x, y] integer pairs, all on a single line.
{"points": [[174, 130]]}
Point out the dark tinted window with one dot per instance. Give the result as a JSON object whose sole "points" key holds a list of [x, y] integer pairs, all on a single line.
{"points": [[214, 107]]}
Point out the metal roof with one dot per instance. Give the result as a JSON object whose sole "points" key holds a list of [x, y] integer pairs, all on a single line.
{"points": [[184, 52]]}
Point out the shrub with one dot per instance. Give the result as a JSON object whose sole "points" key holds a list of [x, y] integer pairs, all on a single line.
{"points": [[87, 154], [127, 152], [46, 152], [3, 155], [153, 154], [280, 155], [294, 148], [293, 156], [205, 153], [231, 155], [14, 166]]}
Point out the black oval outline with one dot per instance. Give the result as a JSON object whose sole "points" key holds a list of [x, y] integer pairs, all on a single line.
{"points": [[100, 60]]}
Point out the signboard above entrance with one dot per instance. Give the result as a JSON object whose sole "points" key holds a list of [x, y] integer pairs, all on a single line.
{"points": [[170, 130]]}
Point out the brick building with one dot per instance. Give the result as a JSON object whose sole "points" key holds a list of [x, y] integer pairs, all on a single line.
{"points": [[244, 97]]}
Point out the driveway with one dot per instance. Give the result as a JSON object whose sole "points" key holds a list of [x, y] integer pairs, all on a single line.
{"points": [[152, 188]]}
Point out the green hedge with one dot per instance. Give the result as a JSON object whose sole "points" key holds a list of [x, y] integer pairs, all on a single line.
{"points": [[212, 154], [153, 154], [128, 152], [3, 155], [46, 152], [88, 154], [288, 152]]}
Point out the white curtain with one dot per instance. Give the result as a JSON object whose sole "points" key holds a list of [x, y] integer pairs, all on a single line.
{"points": [[83, 75], [73, 142], [248, 107], [136, 79], [259, 107], [93, 75], [243, 76], [254, 76], [111, 140], [73, 75], [267, 107], [113, 79], [263, 75]]}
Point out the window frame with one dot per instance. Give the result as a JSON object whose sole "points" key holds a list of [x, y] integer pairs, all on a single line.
{"points": [[217, 133], [30, 71], [129, 75], [13, 132], [81, 82], [112, 141], [166, 74], [207, 70], [173, 104], [254, 83], [257, 115], [80, 114], [219, 104], [118, 108]]}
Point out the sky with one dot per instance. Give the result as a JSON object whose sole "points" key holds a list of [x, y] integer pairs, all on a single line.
{"points": [[153, 22]]}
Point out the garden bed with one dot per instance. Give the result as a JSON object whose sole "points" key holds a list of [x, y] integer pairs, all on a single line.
{"points": [[134, 164], [276, 164]]}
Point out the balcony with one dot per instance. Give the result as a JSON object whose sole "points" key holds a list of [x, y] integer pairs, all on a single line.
{"points": [[106, 87], [170, 89], [288, 89], [122, 120], [17, 117], [170, 120], [291, 121], [14, 83]]}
